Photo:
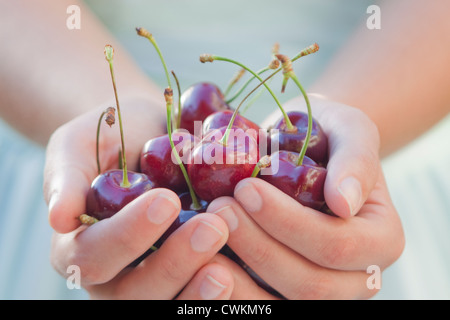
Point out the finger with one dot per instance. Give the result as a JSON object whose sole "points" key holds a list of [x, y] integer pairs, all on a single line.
{"points": [[102, 250], [353, 162], [292, 275], [69, 171], [346, 244], [164, 273], [71, 164], [353, 142], [211, 282], [245, 288]]}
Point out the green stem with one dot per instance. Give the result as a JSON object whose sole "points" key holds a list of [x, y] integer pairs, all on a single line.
{"points": [[109, 57], [144, 33], [168, 94], [177, 121], [195, 202], [242, 88], [308, 133], [264, 162], [253, 100], [233, 81], [311, 49], [288, 121], [224, 139], [97, 141]]}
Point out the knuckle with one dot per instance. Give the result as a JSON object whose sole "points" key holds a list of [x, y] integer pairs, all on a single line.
{"points": [[172, 270], [91, 272], [339, 253], [259, 254], [318, 288]]}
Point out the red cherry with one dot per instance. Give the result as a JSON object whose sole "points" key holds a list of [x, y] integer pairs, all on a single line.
{"points": [[157, 163], [215, 168], [106, 195], [222, 118], [304, 183], [293, 141], [198, 102]]}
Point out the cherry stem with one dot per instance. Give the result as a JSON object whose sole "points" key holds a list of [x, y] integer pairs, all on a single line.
{"points": [[290, 74], [308, 133], [211, 58], [168, 95], [110, 119], [109, 54], [224, 139], [97, 142], [264, 162], [306, 51], [144, 33], [177, 121], [233, 81], [87, 219]]}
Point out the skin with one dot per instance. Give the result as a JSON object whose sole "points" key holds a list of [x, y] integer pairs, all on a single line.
{"points": [[332, 265]]}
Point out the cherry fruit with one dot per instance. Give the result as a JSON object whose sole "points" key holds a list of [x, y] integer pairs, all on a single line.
{"points": [[293, 140], [107, 196], [295, 173], [112, 190], [222, 118], [303, 182], [220, 161], [198, 102], [158, 163]]}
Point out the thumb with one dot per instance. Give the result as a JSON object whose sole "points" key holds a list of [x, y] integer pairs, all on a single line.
{"points": [[67, 177], [353, 165]]}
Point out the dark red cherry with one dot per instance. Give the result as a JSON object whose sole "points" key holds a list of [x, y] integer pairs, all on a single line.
{"points": [[157, 163], [198, 102], [293, 141], [304, 183], [187, 211], [106, 195], [222, 118], [216, 168]]}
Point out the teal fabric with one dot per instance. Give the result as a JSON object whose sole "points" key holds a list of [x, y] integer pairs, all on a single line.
{"points": [[25, 270], [418, 176]]}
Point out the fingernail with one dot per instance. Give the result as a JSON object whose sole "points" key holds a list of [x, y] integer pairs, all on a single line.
{"points": [[162, 208], [211, 288], [228, 215], [350, 189], [248, 196], [205, 236]]}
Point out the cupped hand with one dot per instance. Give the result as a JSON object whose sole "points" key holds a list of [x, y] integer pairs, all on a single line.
{"points": [[306, 254], [180, 268]]}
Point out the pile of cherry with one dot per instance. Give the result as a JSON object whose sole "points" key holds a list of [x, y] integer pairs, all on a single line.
{"points": [[203, 162]]}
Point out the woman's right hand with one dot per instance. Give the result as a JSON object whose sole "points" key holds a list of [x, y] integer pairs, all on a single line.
{"points": [[180, 268]]}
